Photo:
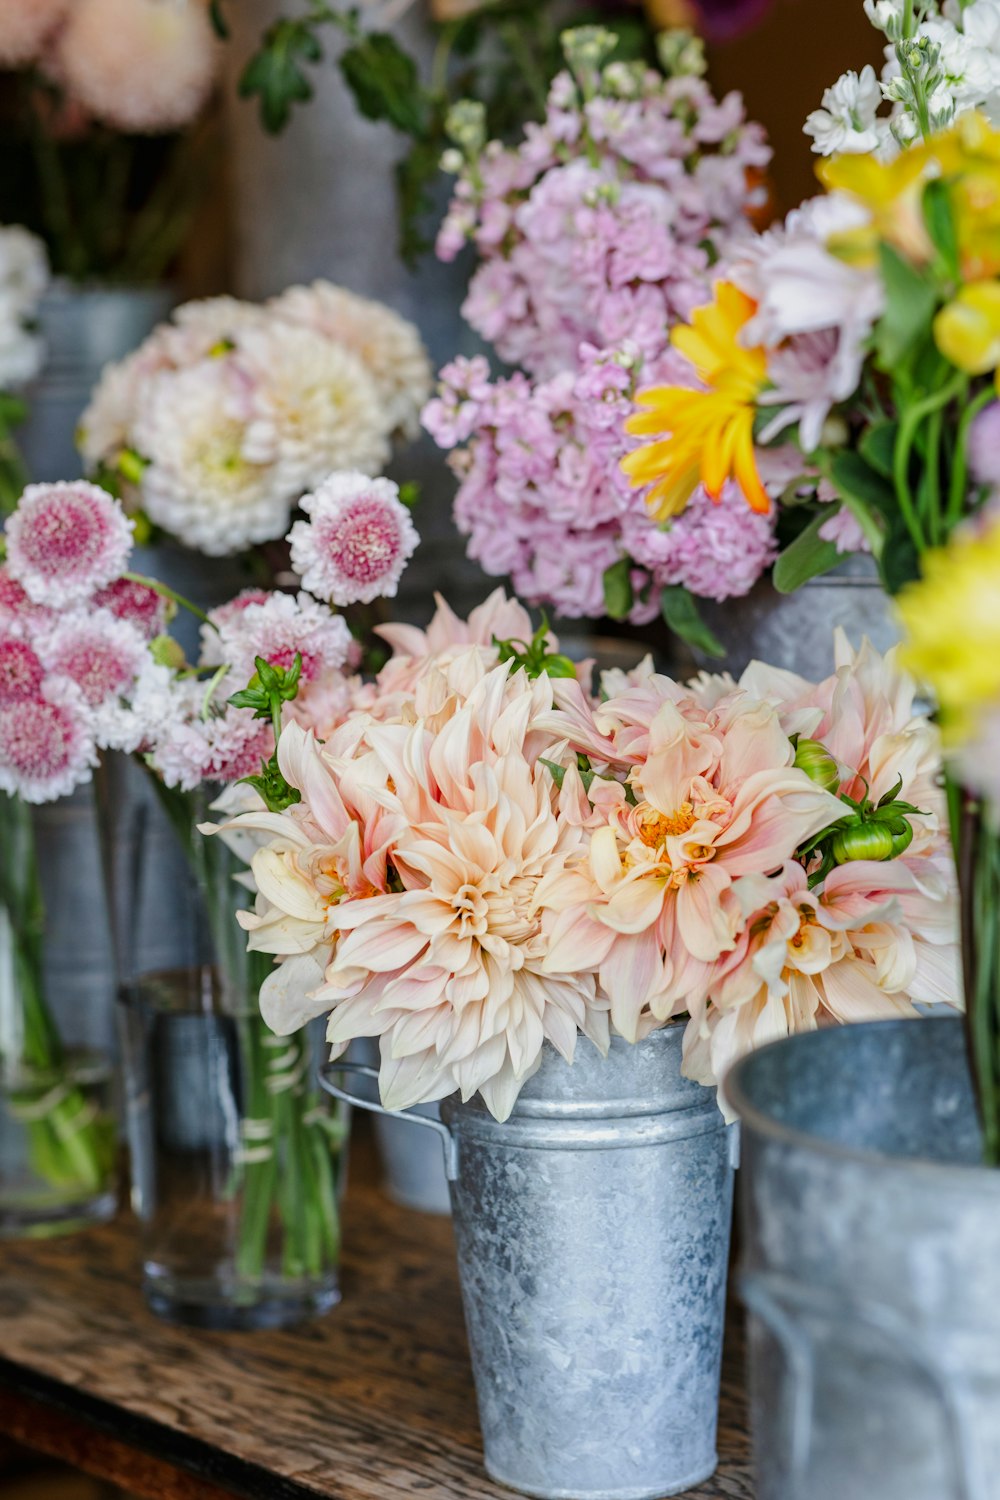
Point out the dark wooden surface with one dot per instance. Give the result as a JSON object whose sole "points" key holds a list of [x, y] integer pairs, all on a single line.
{"points": [[372, 1402]]}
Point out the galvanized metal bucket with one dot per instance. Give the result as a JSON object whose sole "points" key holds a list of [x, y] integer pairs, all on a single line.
{"points": [[871, 1267], [413, 1172], [593, 1234]]}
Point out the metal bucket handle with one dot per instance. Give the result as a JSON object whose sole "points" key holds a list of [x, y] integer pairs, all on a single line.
{"points": [[327, 1079], [770, 1295]]}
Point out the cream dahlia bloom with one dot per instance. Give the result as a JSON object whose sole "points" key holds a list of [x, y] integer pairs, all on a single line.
{"points": [[388, 346], [440, 949], [315, 408], [204, 483]]}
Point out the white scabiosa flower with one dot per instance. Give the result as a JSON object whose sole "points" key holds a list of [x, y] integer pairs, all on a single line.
{"points": [[846, 122], [143, 66], [389, 347], [314, 406], [202, 483], [357, 541]]}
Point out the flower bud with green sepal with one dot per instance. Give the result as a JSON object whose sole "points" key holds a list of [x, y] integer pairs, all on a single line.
{"points": [[819, 765], [534, 656]]}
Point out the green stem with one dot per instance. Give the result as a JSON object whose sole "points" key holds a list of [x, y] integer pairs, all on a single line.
{"points": [[168, 593], [909, 427], [960, 461], [930, 494]]}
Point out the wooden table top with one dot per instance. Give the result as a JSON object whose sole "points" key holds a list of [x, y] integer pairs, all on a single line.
{"points": [[373, 1402]]}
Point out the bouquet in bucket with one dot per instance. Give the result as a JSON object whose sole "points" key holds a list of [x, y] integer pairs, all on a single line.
{"points": [[483, 857], [864, 334], [87, 666]]}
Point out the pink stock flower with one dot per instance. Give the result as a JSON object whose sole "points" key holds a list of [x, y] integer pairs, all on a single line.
{"points": [[66, 540], [46, 743], [357, 542], [843, 529]]}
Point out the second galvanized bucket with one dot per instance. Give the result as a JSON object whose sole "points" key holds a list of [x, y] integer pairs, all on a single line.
{"points": [[871, 1266], [593, 1234]]}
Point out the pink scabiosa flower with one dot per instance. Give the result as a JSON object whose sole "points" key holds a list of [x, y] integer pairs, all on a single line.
{"points": [[21, 671], [135, 603], [142, 66], [280, 627], [101, 654], [66, 540], [357, 541], [192, 743], [46, 743]]}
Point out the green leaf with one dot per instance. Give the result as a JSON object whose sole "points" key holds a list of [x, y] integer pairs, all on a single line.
{"points": [[275, 74], [219, 24], [807, 557], [415, 175], [385, 82], [12, 409], [856, 480], [878, 446], [911, 298], [939, 217], [899, 563], [558, 773], [618, 588], [681, 615]]}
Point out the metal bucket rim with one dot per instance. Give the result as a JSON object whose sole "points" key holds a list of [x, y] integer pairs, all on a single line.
{"points": [[944, 1176]]}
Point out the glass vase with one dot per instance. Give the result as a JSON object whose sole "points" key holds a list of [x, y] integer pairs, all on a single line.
{"points": [[976, 825], [238, 1157], [58, 1157]]}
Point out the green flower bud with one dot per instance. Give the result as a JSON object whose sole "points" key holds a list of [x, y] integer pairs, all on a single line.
{"points": [[167, 652], [862, 841], [558, 666], [819, 765], [902, 836]]}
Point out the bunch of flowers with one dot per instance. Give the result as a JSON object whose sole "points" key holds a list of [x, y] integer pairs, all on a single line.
{"points": [[865, 331], [482, 857], [85, 664], [942, 59], [223, 418], [594, 236]]}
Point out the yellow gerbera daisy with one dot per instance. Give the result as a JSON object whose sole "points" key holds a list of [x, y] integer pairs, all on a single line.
{"points": [[703, 436]]}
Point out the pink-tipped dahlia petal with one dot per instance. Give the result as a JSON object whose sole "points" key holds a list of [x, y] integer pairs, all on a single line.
{"points": [[357, 541], [66, 540], [46, 745]]}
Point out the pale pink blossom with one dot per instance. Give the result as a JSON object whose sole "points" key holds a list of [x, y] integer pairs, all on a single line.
{"points": [[66, 540], [142, 66], [844, 529], [357, 541], [46, 744], [25, 26], [100, 653]]}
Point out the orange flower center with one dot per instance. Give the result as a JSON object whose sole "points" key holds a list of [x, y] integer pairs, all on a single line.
{"points": [[656, 827]]}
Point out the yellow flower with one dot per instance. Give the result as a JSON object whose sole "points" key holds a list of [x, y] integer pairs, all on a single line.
{"points": [[966, 157], [704, 436], [967, 330], [951, 623]]}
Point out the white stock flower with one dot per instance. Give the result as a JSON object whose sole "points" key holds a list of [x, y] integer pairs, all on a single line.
{"points": [[886, 16], [847, 121]]}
